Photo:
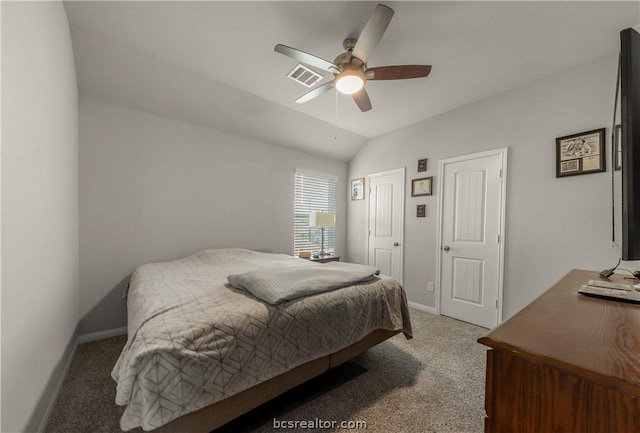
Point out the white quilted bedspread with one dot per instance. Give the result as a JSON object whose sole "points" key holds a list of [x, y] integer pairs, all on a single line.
{"points": [[194, 340]]}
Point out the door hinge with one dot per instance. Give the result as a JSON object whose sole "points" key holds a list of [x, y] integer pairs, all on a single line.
{"points": [[498, 238], [496, 304], [501, 173]]}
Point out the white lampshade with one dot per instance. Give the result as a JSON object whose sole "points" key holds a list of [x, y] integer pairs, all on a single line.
{"points": [[322, 219]]}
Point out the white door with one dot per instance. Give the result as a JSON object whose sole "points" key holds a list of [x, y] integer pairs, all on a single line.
{"points": [[386, 222], [472, 237]]}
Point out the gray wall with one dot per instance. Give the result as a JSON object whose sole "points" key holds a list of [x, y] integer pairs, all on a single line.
{"points": [[39, 208], [155, 189], [553, 225]]}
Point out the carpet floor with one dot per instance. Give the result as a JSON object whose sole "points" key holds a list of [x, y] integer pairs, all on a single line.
{"points": [[433, 383]]}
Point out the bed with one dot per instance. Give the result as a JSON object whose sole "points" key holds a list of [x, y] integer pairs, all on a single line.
{"points": [[200, 352]]}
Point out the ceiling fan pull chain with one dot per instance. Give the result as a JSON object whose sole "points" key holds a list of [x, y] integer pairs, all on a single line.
{"points": [[337, 97]]}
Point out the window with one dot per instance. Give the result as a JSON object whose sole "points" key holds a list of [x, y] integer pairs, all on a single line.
{"points": [[313, 192]]}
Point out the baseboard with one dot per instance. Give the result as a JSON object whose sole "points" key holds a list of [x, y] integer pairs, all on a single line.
{"points": [[95, 336], [421, 307], [70, 352], [62, 375]]}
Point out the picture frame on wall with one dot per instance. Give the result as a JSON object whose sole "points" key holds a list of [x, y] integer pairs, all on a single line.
{"points": [[581, 153], [421, 210], [421, 187], [357, 189], [422, 164]]}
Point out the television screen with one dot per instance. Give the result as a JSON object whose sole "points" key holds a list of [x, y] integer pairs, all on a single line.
{"points": [[626, 150]]}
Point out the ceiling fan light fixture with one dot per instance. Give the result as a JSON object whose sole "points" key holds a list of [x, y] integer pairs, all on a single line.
{"points": [[349, 68], [350, 81]]}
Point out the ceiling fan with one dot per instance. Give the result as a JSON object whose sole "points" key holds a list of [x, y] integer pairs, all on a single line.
{"points": [[350, 68]]}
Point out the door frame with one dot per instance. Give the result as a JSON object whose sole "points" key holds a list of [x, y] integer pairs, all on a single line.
{"points": [[502, 212], [401, 171]]}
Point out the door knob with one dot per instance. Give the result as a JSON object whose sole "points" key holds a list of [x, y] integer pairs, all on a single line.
{"points": [[395, 244], [446, 248]]}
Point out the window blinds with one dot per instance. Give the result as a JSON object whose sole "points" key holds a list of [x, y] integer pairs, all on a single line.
{"points": [[313, 192]]}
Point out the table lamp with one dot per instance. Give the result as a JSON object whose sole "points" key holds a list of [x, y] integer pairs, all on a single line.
{"points": [[322, 220]]}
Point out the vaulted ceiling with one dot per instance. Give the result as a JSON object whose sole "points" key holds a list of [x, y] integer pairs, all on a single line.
{"points": [[213, 63]]}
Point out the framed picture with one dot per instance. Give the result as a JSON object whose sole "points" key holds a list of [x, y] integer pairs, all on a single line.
{"points": [[580, 153], [421, 211], [617, 149], [422, 186], [422, 165], [357, 189]]}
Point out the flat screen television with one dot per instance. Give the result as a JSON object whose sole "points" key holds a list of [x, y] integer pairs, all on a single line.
{"points": [[626, 150]]}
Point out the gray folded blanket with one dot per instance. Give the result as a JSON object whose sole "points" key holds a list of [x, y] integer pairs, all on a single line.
{"points": [[278, 285]]}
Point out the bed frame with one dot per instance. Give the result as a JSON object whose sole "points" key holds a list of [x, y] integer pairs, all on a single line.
{"points": [[217, 414]]}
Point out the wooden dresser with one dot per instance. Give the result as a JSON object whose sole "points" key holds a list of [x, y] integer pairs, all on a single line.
{"points": [[565, 363]]}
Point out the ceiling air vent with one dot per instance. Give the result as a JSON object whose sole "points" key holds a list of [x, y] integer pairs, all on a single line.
{"points": [[304, 76]]}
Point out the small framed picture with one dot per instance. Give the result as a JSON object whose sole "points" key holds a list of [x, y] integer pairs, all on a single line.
{"points": [[580, 153], [357, 189], [617, 149], [422, 186], [421, 211], [422, 165]]}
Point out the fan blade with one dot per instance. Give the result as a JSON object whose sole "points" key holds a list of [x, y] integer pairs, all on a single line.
{"points": [[361, 98], [397, 72], [315, 93], [307, 58], [372, 32]]}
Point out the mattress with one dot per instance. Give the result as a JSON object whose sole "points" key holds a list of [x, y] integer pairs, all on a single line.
{"points": [[194, 340]]}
